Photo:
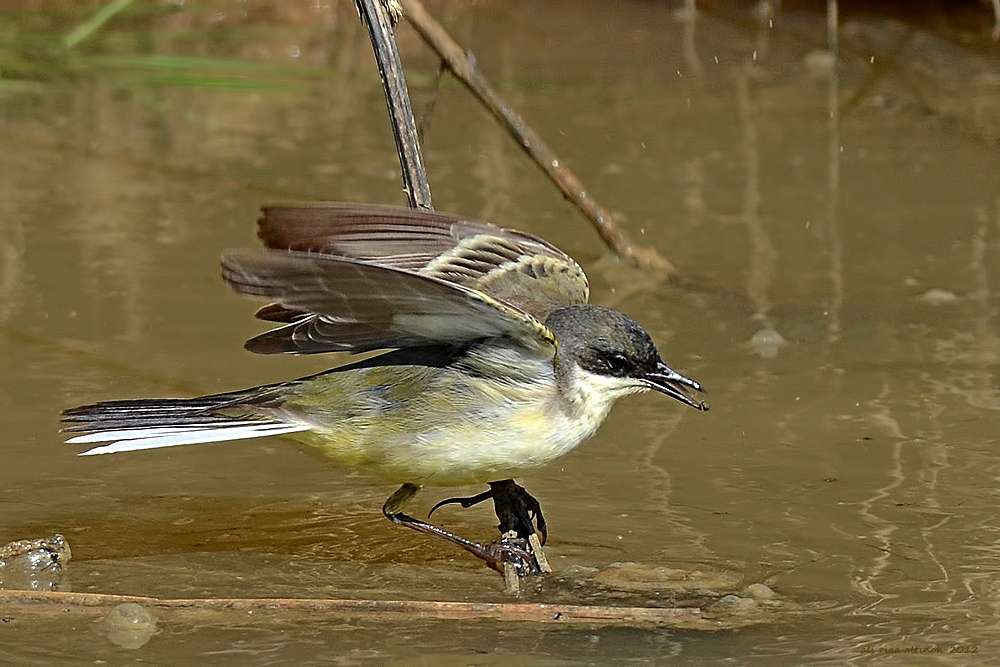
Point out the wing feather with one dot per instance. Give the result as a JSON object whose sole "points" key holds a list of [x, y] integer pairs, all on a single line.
{"points": [[345, 304], [515, 268]]}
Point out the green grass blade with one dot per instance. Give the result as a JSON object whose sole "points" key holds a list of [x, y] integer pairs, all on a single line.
{"points": [[86, 29]]}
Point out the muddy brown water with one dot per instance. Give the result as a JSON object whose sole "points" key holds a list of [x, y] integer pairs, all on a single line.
{"points": [[838, 230]]}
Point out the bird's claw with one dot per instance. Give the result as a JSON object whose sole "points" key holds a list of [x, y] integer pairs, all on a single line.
{"points": [[514, 551], [516, 509], [521, 521]]}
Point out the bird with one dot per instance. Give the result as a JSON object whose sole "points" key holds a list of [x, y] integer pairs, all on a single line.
{"points": [[492, 361]]}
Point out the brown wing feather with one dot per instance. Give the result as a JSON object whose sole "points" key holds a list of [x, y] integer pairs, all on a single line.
{"points": [[512, 267], [393, 236], [343, 304]]}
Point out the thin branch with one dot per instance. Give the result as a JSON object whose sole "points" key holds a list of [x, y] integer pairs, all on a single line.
{"points": [[464, 68], [397, 97]]}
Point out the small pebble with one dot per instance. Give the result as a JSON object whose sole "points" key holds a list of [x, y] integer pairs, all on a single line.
{"points": [[34, 564], [735, 604], [759, 592]]}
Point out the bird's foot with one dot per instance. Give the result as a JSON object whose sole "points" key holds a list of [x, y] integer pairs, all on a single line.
{"points": [[514, 552], [518, 550], [517, 509]]}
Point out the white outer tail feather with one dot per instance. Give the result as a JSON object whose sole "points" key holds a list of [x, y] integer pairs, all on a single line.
{"points": [[135, 439]]}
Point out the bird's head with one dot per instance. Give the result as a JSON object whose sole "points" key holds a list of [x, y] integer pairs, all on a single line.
{"points": [[604, 352]]}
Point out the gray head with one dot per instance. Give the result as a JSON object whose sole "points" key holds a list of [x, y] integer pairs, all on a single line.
{"points": [[609, 344]]}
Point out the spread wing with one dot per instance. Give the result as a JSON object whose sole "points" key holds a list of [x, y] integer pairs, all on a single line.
{"points": [[340, 273], [344, 304], [509, 266]]}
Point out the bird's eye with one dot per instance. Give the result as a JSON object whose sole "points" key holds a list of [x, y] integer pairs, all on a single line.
{"points": [[617, 363]]}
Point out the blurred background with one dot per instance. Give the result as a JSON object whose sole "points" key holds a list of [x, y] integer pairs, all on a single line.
{"points": [[834, 214]]}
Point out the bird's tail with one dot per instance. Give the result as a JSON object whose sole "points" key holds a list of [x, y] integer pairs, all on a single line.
{"points": [[149, 423]]}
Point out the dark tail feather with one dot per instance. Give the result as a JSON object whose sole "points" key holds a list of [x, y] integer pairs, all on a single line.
{"points": [[146, 413], [149, 423]]}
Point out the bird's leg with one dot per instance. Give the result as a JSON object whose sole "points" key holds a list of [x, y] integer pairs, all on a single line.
{"points": [[519, 512], [494, 554], [517, 509]]}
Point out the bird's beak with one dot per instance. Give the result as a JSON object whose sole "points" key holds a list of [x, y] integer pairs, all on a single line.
{"points": [[668, 381]]}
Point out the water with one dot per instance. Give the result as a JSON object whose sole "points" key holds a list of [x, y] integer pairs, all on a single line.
{"points": [[837, 303]]}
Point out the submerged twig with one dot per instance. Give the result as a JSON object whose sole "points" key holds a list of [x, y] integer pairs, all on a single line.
{"points": [[39, 602], [511, 578], [463, 66]]}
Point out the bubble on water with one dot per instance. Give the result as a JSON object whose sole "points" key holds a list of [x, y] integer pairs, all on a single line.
{"points": [[766, 343], [129, 625]]}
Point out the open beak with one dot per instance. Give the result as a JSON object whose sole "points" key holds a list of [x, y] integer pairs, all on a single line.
{"points": [[668, 381]]}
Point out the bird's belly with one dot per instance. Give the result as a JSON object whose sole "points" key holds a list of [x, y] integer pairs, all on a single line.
{"points": [[462, 446]]}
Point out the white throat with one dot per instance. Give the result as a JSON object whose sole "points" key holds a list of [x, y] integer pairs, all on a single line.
{"points": [[589, 396]]}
